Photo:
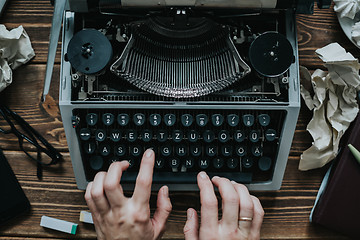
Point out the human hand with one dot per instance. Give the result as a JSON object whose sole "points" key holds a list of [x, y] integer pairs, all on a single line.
{"points": [[118, 217], [242, 214]]}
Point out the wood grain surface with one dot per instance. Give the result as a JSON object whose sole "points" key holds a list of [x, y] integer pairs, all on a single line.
{"points": [[286, 211]]}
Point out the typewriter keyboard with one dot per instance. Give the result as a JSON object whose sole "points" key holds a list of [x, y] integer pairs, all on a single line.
{"points": [[241, 145]]}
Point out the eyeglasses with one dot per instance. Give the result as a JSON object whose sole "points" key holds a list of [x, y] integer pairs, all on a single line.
{"points": [[29, 135]]}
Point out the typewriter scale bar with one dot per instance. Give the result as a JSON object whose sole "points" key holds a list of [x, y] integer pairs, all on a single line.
{"points": [[242, 132]]}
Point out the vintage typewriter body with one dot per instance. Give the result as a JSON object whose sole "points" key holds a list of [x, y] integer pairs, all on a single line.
{"points": [[209, 85]]}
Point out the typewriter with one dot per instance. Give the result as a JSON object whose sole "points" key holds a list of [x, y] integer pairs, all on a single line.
{"points": [[209, 85]]}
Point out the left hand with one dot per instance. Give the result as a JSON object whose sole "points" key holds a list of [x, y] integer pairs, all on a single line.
{"points": [[118, 217]]}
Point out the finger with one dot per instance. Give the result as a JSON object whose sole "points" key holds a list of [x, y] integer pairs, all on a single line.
{"points": [[92, 207], [142, 189], [89, 200], [112, 187], [257, 219], [98, 195], [230, 202], [246, 207], [191, 228], [209, 203], [162, 211]]}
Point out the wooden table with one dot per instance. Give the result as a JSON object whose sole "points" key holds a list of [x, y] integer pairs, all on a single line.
{"points": [[287, 210]]}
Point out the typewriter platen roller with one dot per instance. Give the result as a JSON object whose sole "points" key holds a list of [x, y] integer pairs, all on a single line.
{"points": [[209, 85]]}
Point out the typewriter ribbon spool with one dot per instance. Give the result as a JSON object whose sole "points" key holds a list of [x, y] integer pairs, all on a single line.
{"points": [[271, 54], [89, 51]]}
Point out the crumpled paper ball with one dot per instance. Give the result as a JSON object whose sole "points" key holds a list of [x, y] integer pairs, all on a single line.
{"points": [[15, 50], [347, 8]]}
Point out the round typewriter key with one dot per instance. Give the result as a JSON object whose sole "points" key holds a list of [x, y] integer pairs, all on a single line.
{"points": [[208, 136], [136, 150], [233, 120], [92, 119], [174, 163], [241, 150], [189, 162], [201, 120], [120, 150], [155, 119], [204, 163], [131, 135], [159, 163], [248, 120], [85, 134], [226, 151], [115, 135], [131, 162], [239, 136], [169, 119], [211, 150], [165, 150], [104, 150], [113, 159], [96, 162], [254, 136], [123, 119], [247, 162], [232, 163], [187, 120], [217, 120], [181, 150], [264, 119], [89, 147], [223, 136], [256, 150], [146, 135], [271, 54], [177, 136], [139, 119], [264, 163], [162, 136], [193, 136], [195, 150], [100, 135], [108, 119], [89, 51], [270, 135], [218, 163]]}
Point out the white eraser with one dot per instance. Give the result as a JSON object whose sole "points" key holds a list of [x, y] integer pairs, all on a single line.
{"points": [[59, 225], [86, 217]]}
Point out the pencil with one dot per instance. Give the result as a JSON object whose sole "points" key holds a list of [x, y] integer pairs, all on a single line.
{"points": [[355, 152]]}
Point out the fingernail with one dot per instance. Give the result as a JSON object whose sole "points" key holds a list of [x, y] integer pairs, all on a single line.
{"points": [[149, 153], [215, 177], [189, 213], [203, 175], [166, 191]]}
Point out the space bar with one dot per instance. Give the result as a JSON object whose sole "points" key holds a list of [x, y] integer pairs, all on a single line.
{"points": [[186, 177]]}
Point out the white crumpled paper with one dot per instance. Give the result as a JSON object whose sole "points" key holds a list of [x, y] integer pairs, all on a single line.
{"points": [[334, 104], [347, 8], [15, 50]]}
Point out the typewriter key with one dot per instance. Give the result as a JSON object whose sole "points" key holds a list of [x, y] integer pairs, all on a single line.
{"points": [[271, 54]]}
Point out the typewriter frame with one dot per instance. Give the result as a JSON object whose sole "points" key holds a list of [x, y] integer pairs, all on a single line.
{"points": [[292, 108]]}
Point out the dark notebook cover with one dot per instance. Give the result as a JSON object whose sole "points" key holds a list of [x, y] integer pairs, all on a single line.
{"points": [[338, 207]]}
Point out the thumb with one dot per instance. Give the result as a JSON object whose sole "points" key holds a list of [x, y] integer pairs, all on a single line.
{"points": [[162, 212], [191, 228]]}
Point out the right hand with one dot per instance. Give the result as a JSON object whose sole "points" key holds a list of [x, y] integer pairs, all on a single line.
{"points": [[242, 214]]}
